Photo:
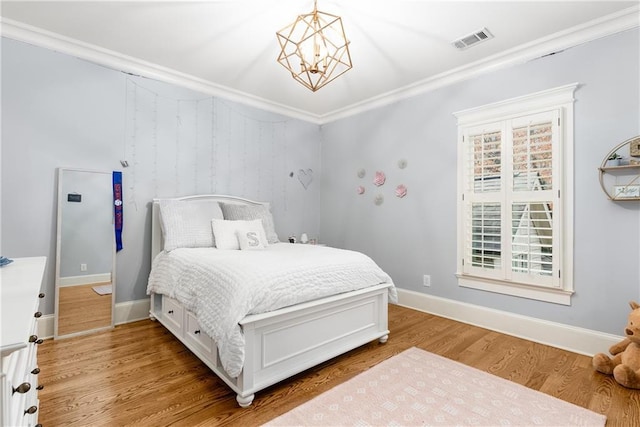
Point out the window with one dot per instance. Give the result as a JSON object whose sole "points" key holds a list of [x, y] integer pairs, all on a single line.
{"points": [[515, 218]]}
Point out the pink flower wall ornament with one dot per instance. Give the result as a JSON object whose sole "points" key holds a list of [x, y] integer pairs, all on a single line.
{"points": [[401, 191], [360, 189], [379, 179]]}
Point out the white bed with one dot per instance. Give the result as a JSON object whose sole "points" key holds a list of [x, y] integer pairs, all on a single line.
{"points": [[267, 346]]}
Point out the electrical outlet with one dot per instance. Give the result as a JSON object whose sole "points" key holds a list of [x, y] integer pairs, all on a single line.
{"points": [[426, 280], [83, 267]]}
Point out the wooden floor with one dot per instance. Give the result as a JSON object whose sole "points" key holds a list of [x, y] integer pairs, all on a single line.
{"points": [[80, 308], [138, 374]]}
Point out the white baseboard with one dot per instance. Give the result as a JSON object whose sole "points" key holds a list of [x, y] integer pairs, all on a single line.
{"points": [[87, 279], [45, 326], [128, 311], [566, 337], [571, 338], [132, 311]]}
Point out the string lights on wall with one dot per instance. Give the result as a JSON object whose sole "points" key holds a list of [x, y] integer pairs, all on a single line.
{"points": [[186, 146]]}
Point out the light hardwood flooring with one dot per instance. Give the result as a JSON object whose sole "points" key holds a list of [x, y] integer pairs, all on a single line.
{"points": [[80, 308], [139, 374]]}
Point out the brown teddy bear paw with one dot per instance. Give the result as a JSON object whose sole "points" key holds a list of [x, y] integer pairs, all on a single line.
{"points": [[626, 376], [602, 363]]}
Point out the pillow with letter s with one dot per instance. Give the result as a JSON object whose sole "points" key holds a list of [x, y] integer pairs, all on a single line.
{"points": [[239, 234]]}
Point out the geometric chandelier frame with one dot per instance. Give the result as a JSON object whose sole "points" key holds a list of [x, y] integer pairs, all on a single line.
{"points": [[314, 48]]}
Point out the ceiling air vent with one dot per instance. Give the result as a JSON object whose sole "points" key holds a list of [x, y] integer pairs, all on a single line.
{"points": [[472, 39]]}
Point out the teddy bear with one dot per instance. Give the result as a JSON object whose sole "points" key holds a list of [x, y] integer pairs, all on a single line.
{"points": [[625, 365]]}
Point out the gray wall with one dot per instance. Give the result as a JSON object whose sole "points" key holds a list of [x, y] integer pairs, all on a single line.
{"points": [[59, 111], [416, 235]]}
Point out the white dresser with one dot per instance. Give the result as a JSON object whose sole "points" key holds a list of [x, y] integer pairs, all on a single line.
{"points": [[20, 284]]}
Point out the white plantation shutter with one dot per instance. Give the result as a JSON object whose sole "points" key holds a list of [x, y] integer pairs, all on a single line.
{"points": [[509, 199], [487, 150], [510, 206], [535, 144], [485, 234]]}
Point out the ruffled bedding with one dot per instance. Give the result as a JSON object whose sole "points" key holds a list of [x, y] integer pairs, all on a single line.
{"points": [[221, 287]]}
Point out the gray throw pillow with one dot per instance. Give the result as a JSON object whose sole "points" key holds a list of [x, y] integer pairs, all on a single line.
{"points": [[236, 212]]}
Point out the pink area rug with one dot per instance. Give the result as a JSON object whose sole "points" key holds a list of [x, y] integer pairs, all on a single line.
{"points": [[417, 388]]}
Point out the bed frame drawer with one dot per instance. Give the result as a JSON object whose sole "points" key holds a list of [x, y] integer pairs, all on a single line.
{"points": [[172, 312], [198, 337]]}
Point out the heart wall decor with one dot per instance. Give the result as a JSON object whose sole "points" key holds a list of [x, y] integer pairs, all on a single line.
{"points": [[305, 177]]}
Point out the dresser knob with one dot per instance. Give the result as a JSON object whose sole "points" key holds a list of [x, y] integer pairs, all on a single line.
{"points": [[31, 410], [170, 311], [22, 388], [34, 339], [40, 295], [197, 331], [40, 387], [36, 371], [37, 314]]}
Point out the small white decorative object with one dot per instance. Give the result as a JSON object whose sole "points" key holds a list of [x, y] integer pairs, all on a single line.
{"points": [[401, 191], [402, 163], [379, 179], [305, 177], [304, 238], [379, 200], [361, 173], [360, 190]]}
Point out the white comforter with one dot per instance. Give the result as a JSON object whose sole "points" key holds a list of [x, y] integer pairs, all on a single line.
{"points": [[223, 286]]}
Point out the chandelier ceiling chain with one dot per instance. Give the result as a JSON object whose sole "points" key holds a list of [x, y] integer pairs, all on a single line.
{"points": [[314, 48]]}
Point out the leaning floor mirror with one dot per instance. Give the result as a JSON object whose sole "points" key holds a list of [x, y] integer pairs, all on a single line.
{"points": [[85, 253]]}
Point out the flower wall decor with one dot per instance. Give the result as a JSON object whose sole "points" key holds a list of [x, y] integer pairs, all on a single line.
{"points": [[401, 190], [379, 179]]}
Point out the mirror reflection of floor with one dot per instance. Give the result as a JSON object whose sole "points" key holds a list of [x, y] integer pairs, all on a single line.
{"points": [[81, 308]]}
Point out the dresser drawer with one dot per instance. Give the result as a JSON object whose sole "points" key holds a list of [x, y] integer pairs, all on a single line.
{"points": [[198, 337], [172, 312], [21, 282], [23, 407]]}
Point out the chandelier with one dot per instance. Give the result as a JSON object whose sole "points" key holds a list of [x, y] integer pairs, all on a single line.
{"points": [[314, 48]]}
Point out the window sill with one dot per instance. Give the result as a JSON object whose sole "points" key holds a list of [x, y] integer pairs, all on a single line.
{"points": [[556, 296]]}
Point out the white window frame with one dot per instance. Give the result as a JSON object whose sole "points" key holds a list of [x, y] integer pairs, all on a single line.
{"points": [[558, 101]]}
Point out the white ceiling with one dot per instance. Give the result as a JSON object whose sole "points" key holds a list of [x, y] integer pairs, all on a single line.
{"points": [[228, 47]]}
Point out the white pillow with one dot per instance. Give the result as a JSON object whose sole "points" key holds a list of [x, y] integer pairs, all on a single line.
{"points": [[187, 223], [226, 233]]}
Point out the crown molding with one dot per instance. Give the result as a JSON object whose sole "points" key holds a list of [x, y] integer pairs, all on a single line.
{"points": [[39, 37], [607, 25]]}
